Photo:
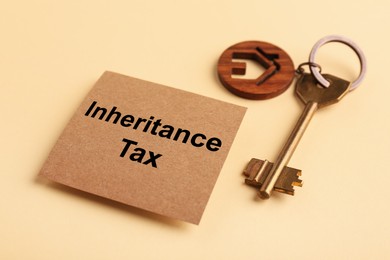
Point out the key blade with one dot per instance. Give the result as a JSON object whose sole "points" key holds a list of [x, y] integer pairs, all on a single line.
{"points": [[257, 171]]}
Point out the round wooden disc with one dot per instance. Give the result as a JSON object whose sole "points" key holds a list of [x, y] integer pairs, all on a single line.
{"points": [[278, 75]]}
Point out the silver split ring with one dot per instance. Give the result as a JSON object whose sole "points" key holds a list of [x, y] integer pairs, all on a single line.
{"points": [[337, 38]]}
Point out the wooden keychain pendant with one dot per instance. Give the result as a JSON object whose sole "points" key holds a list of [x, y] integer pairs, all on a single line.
{"points": [[277, 77]]}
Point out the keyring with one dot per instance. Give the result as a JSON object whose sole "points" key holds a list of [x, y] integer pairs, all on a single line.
{"points": [[300, 70], [337, 38]]}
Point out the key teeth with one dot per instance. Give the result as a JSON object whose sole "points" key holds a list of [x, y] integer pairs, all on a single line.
{"points": [[252, 166], [251, 171], [257, 170], [297, 183], [287, 180]]}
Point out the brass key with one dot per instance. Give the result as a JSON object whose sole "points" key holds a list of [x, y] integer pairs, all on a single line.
{"points": [[315, 90], [277, 176]]}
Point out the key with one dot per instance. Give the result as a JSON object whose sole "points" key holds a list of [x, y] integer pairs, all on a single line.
{"points": [[267, 176]]}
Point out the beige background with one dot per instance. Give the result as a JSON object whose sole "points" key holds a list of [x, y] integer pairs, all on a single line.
{"points": [[51, 53]]}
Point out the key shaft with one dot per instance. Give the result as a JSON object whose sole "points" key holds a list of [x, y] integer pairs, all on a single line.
{"points": [[288, 149]]}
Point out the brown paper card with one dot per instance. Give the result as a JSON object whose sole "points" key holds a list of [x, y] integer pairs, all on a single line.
{"points": [[146, 145]]}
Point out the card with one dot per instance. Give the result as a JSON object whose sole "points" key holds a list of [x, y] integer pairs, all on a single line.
{"points": [[147, 145]]}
